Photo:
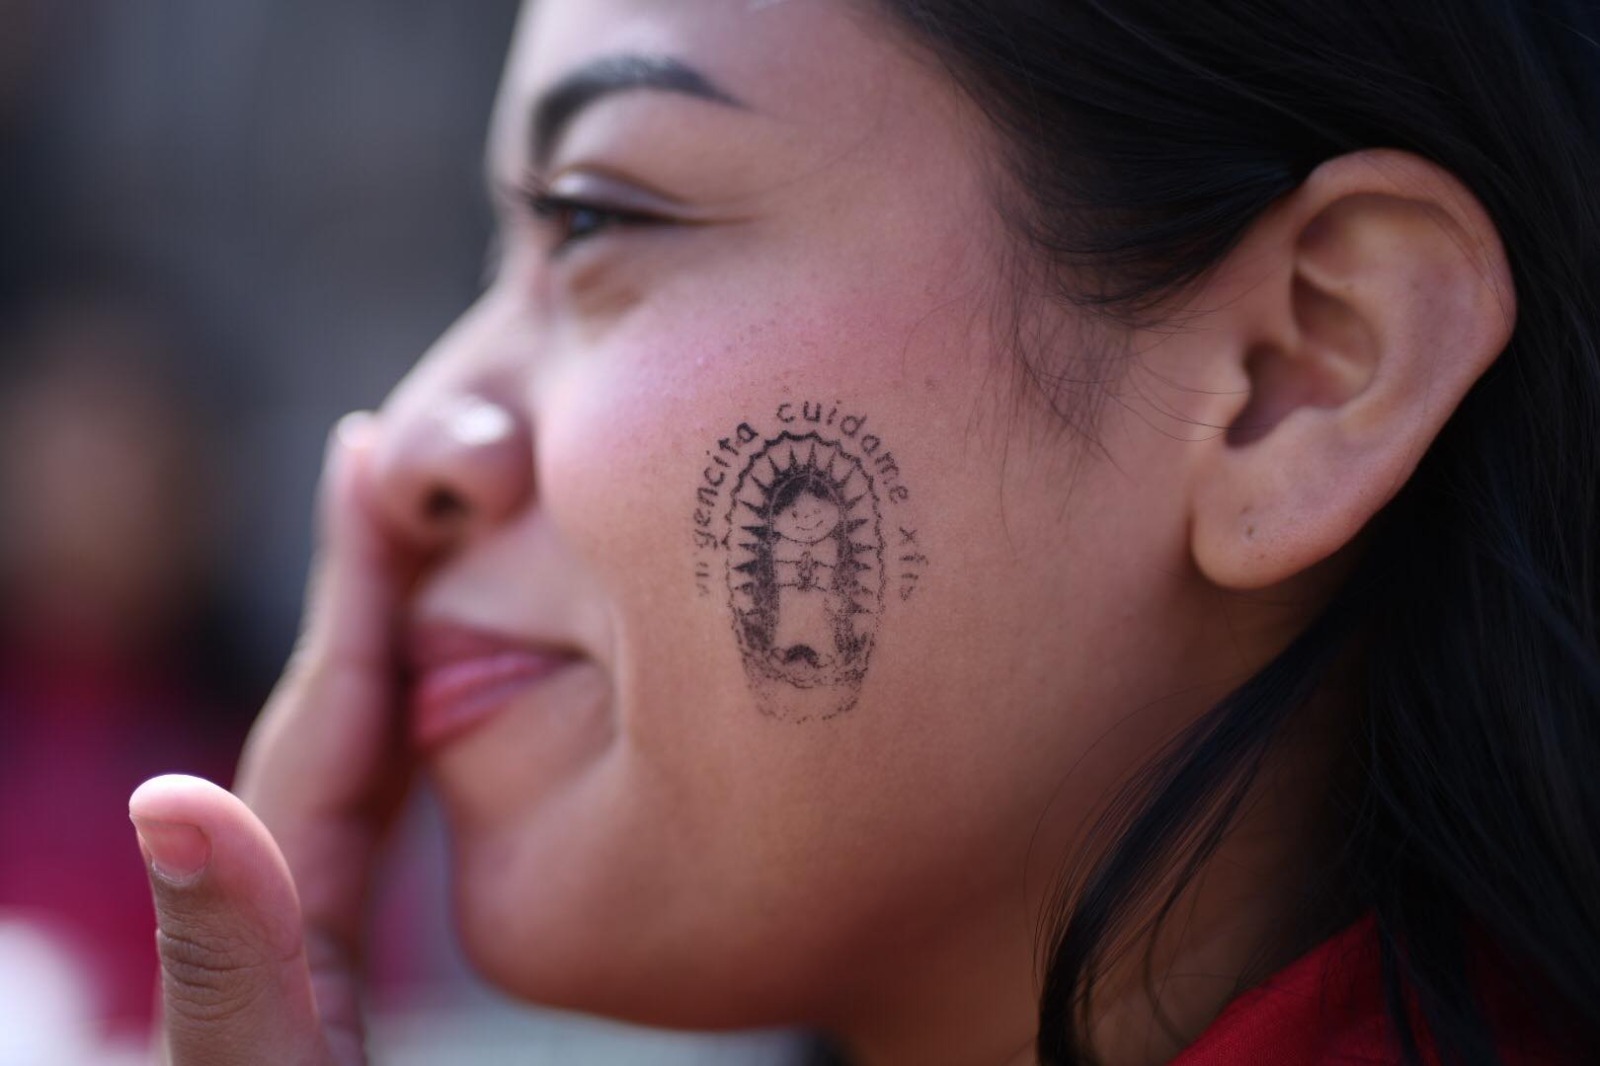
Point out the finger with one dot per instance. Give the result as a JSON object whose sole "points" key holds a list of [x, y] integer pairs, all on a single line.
{"points": [[235, 986], [325, 766], [353, 590], [344, 653]]}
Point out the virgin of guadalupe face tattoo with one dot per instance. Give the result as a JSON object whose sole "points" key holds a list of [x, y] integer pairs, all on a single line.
{"points": [[804, 537], [805, 575]]}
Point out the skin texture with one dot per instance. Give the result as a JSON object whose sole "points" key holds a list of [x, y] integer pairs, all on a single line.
{"points": [[640, 835]]}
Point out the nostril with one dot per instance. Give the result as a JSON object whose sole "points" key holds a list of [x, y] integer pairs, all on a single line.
{"points": [[443, 505], [450, 469]]}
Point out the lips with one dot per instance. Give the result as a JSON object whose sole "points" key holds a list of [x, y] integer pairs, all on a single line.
{"points": [[459, 677]]}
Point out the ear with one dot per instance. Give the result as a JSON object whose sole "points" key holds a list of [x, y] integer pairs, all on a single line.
{"points": [[1367, 303]]}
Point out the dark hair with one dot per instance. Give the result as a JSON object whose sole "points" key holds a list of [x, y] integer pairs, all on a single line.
{"points": [[1141, 140], [790, 489]]}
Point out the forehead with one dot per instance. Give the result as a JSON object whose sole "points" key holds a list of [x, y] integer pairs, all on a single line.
{"points": [[825, 69]]}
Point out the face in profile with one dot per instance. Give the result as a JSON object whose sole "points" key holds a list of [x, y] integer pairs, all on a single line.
{"points": [[838, 619]]}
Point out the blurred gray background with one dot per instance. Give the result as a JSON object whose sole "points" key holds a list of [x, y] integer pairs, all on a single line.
{"points": [[294, 186]]}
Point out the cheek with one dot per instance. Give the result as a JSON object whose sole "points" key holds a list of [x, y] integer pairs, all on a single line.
{"points": [[928, 734], [623, 447], [642, 443]]}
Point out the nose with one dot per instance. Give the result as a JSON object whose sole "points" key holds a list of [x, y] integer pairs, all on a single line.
{"points": [[452, 468]]}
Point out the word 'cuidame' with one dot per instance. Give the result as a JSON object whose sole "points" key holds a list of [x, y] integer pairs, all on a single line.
{"points": [[852, 428]]}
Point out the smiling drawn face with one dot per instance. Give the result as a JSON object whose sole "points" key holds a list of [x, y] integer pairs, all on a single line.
{"points": [[808, 518], [730, 209]]}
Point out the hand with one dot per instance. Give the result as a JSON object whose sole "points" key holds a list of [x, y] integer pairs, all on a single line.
{"points": [[260, 896]]}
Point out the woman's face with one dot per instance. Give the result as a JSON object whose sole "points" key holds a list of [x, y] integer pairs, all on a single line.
{"points": [[671, 825]]}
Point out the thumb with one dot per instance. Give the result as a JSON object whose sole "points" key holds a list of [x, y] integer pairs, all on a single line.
{"points": [[235, 986]]}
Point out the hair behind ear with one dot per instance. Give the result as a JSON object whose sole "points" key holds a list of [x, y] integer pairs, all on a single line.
{"points": [[1148, 137]]}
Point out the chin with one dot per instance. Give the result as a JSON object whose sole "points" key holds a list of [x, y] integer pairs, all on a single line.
{"points": [[597, 944], [602, 970]]}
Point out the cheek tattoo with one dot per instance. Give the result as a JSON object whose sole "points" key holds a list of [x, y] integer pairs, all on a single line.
{"points": [[791, 525]]}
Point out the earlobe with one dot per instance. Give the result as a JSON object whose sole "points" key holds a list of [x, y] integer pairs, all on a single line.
{"points": [[1389, 297]]}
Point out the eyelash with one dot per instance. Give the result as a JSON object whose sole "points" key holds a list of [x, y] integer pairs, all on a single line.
{"points": [[560, 214]]}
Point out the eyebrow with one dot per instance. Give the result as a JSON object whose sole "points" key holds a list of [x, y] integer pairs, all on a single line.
{"points": [[607, 76]]}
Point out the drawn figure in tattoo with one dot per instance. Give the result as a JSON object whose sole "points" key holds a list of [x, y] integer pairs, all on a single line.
{"points": [[807, 525], [805, 575]]}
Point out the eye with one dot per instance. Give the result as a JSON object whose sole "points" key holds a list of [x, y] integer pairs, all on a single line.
{"points": [[571, 219]]}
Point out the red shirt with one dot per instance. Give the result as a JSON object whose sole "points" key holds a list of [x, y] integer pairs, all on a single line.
{"points": [[1327, 1009]]}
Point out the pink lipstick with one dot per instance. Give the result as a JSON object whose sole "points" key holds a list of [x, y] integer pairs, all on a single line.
{"points": [[459, 677]]}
